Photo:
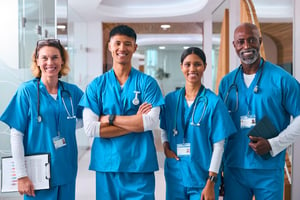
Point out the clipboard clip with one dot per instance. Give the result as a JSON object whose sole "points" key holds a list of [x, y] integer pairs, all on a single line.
{"points": [[47, 171]]}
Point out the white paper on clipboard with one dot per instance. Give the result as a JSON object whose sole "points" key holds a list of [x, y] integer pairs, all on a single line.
{"points": [[38, 170]]}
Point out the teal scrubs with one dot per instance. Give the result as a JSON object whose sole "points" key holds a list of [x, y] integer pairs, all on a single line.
{"points": [[277, 98], [22, 114], [131, 153], [186, 178]]}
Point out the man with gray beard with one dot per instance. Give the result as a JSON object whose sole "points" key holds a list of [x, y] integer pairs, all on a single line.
{"points": [[258, 92]]}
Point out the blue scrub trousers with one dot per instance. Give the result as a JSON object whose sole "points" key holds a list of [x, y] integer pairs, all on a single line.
{"points": [[129, 186], [176, 190], [179, 192], [177, 181], [244, 183], [61, 192]]}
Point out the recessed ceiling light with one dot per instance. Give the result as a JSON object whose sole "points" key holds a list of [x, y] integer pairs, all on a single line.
{"points": [[61, 26], [161, 47], [165, 26], [185, 47]]}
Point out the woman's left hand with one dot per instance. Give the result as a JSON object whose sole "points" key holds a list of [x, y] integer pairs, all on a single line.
{"points": [[208, 193]]}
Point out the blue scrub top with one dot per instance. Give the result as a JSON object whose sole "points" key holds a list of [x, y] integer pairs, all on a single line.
{"points": [[215, 126], [278, 98], [21, 114], [134, 152]]}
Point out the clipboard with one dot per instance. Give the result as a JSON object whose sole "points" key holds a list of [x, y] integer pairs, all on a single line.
{"points": [[265, 129], [38, 170]]}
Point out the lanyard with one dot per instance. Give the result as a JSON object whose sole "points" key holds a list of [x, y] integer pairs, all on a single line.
{"points": [[251, 93], [57, 113]]}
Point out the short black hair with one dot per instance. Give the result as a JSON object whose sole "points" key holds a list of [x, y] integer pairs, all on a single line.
{"points": [[193, 50], [123, 30]]}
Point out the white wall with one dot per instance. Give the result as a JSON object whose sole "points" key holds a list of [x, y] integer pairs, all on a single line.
{"points": [[9, 53], [95, 52], [296, 70], [207, 46]]}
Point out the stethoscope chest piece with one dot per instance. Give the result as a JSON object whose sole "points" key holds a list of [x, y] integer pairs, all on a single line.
{"points": [[255, 90], [39, 119], [175, 132], [136, 100]]}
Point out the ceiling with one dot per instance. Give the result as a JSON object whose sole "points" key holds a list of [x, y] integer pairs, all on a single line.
{"points": [[152, 13], [173, 10]]}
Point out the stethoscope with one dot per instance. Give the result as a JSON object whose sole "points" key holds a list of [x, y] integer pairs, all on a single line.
{"points": [[235, 87], [199, 98], [39, 118], [136, 100]]}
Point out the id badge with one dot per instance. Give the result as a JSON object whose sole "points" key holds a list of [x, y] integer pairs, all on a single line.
{"points": [[184, 149], [59, 142], [248, 121]]}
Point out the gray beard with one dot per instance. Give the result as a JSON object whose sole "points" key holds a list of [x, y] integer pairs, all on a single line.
{"points": [[249, 60]]}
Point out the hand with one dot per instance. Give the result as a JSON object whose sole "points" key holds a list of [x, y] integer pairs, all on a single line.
{"points": [[144, 108], [103, 119], [208, 192], [25, 186], [168, 152], [260, 145]]}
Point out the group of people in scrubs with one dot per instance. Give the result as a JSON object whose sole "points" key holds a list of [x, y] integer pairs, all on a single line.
{"points": [[204, 135]]}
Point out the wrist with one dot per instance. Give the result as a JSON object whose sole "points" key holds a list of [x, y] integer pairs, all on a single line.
{"points": [[166, 146], [111, 119], [212, 178]]}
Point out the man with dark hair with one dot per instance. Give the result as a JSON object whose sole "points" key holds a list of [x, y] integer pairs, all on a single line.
{"points": [[121, 108]]}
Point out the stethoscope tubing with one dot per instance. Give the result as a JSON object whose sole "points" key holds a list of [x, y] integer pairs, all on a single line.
{"points": [[196, 102], [234, 85], [39, 118]]}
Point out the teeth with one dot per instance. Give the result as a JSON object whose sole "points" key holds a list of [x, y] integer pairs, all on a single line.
{"points": [[192, 74], [121, 54], [50, 68]]}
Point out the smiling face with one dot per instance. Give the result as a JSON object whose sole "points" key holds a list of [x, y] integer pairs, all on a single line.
{"points": [[122, 48], [50, 62], [192, 68], [247, 43]]}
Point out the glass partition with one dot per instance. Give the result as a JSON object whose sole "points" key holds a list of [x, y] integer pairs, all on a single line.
{"points": [[36, 21], [162, 61]]}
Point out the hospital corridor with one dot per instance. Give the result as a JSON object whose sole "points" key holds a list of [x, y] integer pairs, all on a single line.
{"points": [[86, 56]]}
